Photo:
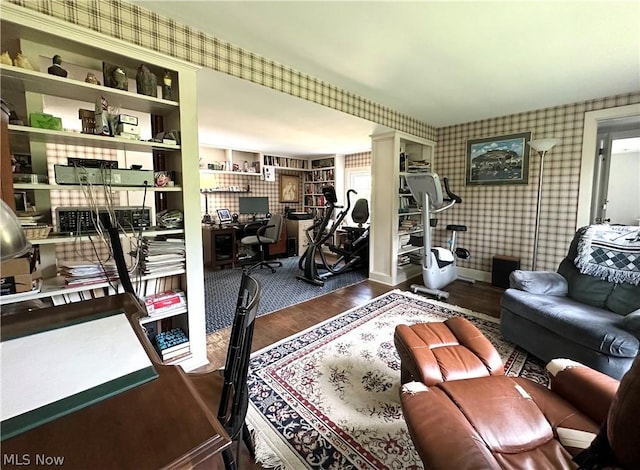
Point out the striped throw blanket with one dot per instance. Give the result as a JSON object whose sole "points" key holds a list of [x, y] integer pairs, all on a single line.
{"points": [[610, 252]]}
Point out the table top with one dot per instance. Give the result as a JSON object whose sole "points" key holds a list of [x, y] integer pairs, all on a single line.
{"points": [[160, 424]]}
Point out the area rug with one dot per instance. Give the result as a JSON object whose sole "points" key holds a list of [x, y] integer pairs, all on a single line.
{"points": [[279, 290], [328, 397]]}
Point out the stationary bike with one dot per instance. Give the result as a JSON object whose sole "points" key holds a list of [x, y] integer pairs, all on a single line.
{"points": [[355, 252], [438, 264]]}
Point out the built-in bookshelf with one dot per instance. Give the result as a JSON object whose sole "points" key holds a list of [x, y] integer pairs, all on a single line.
{"points": [[322, 171], [394, 155], [39, 38]]}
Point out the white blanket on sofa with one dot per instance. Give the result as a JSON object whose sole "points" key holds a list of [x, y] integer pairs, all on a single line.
{"points": [[610, 252]]}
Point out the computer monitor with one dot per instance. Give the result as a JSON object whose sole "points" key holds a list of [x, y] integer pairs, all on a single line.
{"points": [[254, 205]]}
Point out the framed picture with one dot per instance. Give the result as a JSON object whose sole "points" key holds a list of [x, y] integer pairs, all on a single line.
{"points": [[498, 160], [289, 188], [224, 215]]}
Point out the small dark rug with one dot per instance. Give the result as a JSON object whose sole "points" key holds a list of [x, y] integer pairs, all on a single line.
{"points": [[279, 290]]}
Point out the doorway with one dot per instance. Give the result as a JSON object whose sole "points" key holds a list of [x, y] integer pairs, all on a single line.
{"points": [[593, 121], [358, 179], [616, 192]]}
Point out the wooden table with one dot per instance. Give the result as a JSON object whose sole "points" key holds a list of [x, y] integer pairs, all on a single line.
{"points": [[160, 424]]}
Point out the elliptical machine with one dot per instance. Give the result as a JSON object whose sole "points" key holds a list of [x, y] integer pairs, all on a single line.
{"points": [[355, 253], [438, 264]]}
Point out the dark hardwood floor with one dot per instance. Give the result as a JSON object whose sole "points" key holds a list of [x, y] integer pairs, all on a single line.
{"points": [[480, 297]]}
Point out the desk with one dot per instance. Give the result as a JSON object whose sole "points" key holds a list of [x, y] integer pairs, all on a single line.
{"points": [[160, 424], [220, 246], [220, 243]]}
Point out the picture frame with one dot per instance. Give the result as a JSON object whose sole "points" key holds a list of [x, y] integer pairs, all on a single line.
{"points": [[289, 188], [224, 215], [498, 160]]}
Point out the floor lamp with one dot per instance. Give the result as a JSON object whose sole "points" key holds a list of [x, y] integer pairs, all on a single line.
{"points": [[542, 146]]}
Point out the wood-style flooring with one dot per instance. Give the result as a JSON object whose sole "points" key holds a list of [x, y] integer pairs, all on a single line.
{"points": [[270, 328]]}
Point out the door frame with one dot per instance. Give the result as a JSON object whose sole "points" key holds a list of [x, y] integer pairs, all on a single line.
{"points": [[589, 153], [601, 177]]}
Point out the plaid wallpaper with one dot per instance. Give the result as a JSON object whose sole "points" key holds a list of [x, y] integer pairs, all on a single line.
{"points": [[357, 160], [500, 219], [139, 26]]}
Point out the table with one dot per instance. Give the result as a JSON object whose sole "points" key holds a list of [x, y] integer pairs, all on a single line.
{"points": [[160, 424], [220, 246]]}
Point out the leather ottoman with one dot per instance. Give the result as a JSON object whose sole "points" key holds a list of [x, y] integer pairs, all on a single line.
{"points": [[442, 351]]}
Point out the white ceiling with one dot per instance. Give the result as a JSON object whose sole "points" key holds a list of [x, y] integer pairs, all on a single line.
{"points": [[443, 63]]}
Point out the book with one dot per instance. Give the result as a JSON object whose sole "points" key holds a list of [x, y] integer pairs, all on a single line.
{"points": [[178, 352], [173, 337], [165, 301], [173, 360]]}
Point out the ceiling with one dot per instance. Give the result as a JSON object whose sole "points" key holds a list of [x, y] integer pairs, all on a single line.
{"points": [[443, 63]]}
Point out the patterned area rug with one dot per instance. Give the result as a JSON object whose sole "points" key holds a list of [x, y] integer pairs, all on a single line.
{"points": [[328, 397], [279, 290]]}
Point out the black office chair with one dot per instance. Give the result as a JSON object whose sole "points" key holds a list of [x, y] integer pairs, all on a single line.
{"points": [[266, 235], [229, 393]]}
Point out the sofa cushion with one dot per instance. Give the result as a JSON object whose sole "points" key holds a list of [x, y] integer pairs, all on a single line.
{"points": [[594, 328], [585, 289], [624, 298], [621, 298], [631, 322]]}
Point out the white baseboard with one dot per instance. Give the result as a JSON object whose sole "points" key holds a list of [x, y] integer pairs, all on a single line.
{"points": [[475, 274]]}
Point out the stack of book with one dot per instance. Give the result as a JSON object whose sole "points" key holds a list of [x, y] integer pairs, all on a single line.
{"points": [[160, 256], [172, 345], [81, 273], [165, 302]]}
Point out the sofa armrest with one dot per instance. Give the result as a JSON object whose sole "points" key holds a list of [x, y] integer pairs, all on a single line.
{"points": [[589, 390], [539, 282]]}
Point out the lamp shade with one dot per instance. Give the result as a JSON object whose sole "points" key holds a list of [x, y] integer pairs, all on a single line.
{"points": [[13, 242], [543, 145]]}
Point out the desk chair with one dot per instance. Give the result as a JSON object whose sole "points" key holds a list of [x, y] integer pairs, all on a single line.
{"points": [[267, 235], [229, 393]]}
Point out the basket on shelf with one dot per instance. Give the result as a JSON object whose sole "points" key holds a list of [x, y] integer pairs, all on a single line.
{"points": [[37, 232]]}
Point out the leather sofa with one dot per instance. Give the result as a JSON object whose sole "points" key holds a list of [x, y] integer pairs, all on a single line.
{"points": [[573, 315], [505, 422]]}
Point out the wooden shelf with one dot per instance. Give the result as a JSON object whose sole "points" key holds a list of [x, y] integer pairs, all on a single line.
{"points": [[16, 78], [89, 140], [56, 286], [223, 172], [77, 187], [149, 319], [53, 239]]}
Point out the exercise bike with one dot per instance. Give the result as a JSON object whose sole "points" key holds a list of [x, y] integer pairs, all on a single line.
{"points": [[354, 254], [438, 264]]}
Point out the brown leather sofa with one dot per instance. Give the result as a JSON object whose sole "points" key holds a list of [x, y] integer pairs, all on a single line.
{"points": [[504, 422]]}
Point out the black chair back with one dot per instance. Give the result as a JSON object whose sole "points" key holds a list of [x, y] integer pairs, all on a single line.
{"points": [[235, 397]]}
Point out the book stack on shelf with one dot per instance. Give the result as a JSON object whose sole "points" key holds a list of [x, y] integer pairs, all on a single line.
{"points": [[81, 273], [418, 166], [172, 345], [408, 225], [164, 303], [160, 255], [407, 204]]}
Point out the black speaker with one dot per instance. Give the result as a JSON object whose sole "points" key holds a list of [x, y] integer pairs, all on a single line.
{"points": [[501, 268], [292, 246]]}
